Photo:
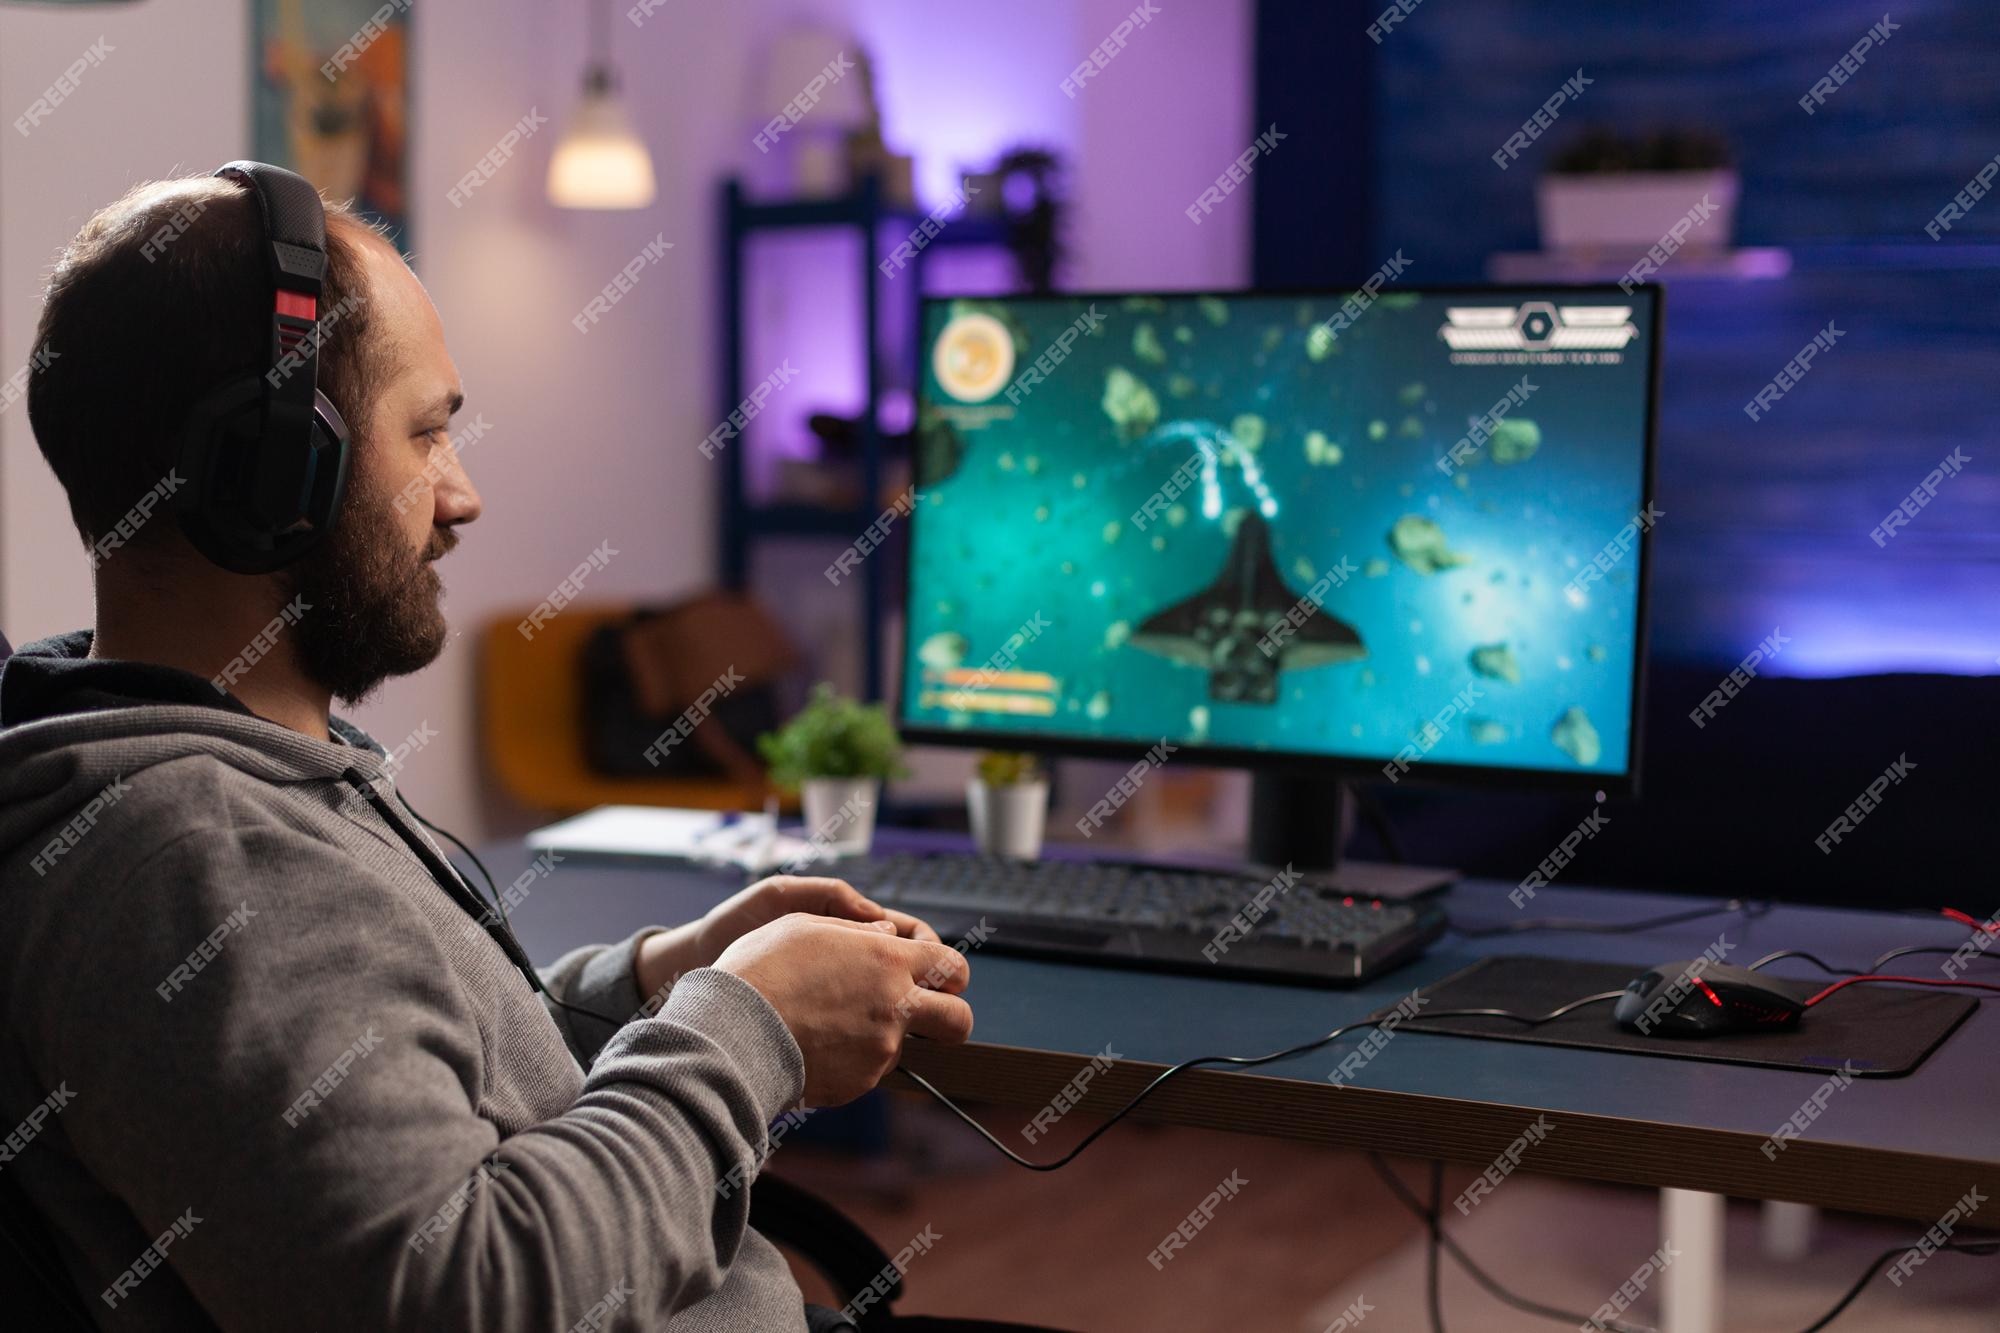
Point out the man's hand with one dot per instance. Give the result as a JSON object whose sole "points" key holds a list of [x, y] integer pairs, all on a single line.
{"points": [[665, 956], [849, 991]]}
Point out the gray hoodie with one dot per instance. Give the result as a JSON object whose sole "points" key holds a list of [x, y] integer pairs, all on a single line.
{"points": [[259, 1070]]}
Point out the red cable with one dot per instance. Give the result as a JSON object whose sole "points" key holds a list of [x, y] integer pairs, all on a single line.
{"points": [[1914, 981], [1963, 919]]}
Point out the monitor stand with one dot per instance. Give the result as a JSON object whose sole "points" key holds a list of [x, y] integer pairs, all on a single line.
{"points": [[1302, 822]]}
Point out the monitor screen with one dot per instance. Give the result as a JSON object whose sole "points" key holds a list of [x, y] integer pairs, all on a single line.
{"points": [[1400, 532]]}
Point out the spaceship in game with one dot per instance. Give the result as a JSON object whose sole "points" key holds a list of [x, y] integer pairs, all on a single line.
{"points": [[1224, 627]]}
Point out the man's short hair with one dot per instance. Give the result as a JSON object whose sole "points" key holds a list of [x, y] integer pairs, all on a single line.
{"points": [[160, 298]]}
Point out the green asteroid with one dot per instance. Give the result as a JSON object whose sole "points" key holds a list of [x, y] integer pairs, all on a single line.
{"points": [[1129, 402], [1577, 738], [1496, 661], [1420, 543], [1485, 731], [1146, 346], [1515, 440]]}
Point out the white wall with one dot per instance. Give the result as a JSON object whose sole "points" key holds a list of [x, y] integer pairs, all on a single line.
{"points": [[593, 436]]}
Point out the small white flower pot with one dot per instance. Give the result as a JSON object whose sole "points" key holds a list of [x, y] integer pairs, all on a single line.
{"points": [[1009, 820], [1633, 210], [840, 814]]}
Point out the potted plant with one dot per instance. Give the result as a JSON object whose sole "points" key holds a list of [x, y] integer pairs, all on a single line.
{"points": [[835, 754], [1612, 192], [1008, 803]]}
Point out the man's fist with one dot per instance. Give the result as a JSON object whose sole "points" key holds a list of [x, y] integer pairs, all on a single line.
{"points": [[849, 991]]}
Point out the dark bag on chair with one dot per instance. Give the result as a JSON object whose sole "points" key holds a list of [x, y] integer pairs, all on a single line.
{"points": [[684, 691]]}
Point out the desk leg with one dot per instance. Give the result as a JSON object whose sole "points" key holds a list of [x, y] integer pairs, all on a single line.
{"points": [[1788, 1229], [1691, 1283]]}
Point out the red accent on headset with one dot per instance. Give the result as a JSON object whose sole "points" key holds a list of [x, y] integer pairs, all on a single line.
{"points": [[298, 305]]}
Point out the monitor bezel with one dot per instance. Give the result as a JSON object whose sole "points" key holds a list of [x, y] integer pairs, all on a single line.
{"points": [[1295, 763]]}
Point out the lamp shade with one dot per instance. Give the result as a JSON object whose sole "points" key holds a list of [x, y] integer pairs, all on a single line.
{"points": [[601, 162]]}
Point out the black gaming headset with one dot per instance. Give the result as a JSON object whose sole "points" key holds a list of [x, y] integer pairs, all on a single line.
{"points": [[263, 462]]}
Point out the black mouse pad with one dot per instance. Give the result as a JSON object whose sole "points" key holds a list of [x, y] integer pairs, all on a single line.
{"points": [[1882, 1031]]}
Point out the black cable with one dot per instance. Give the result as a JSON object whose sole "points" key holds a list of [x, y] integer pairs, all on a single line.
{"points": [[1873, 967], [1812, 958], [1749, 910], [1480, 1275], [1981, 1248], [1243, 1061]]}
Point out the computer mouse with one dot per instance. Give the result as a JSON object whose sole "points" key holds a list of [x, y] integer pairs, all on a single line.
{"points": [[1700, 998]]}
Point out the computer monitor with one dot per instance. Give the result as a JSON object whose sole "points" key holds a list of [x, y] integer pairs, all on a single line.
{"points": [[1396, 535]]}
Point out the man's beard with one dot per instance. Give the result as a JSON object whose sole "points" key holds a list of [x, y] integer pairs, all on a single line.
{"points": [[374, 605]]}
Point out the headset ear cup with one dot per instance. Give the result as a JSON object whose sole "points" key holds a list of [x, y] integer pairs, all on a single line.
{"points": [[227, 461], [333, 449]]}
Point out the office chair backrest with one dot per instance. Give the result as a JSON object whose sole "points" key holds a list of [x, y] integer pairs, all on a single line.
{"points": [[5, 650], [34, 1288]]}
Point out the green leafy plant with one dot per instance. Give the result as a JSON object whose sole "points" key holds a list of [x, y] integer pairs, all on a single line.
{"points": [[833, 737], [1007, 768], [1601, 151]]}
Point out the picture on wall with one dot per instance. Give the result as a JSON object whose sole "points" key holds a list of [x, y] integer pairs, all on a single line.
{"points": [[330, 99]]}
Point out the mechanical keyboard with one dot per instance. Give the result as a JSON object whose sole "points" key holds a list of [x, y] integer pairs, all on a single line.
{"points": [[1280, 927]]}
